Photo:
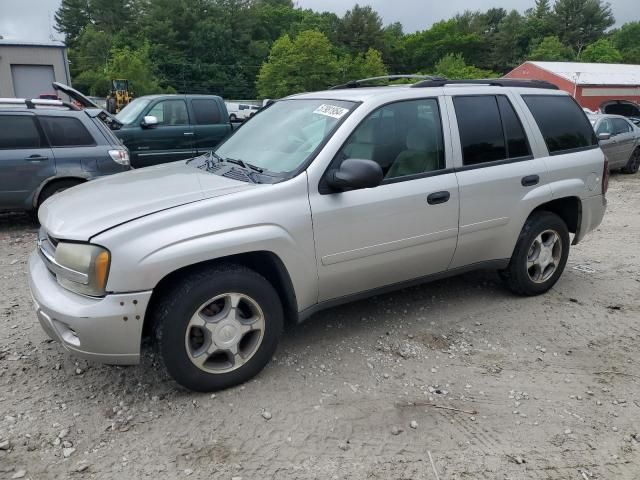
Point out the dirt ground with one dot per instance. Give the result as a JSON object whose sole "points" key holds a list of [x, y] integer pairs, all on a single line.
{"points": [[457, 377]]}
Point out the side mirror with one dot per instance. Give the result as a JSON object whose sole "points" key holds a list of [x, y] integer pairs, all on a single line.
{"points": [[149, 121], [604, 136], [355, 174]]}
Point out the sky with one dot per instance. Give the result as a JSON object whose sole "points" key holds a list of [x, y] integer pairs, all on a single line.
{"points": [[32, 20]]}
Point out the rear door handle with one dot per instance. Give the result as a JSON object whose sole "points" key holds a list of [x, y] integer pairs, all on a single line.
{"points": [[36, 158], [188, 133], [438, 197], [530, 180]]}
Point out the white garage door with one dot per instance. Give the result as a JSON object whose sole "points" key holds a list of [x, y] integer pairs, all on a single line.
{"points": [[29, 81]]}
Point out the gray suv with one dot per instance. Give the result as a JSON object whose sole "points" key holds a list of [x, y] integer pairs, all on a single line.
{"points": [[320, 199], [47, 146]]}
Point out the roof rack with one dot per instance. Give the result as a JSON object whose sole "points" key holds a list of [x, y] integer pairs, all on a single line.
{"points": [[37, 102], [390, 78], [493, 82]]}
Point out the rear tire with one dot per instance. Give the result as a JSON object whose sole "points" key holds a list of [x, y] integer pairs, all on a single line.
{"points": [[540, 255], [218, 327], [633, 165]]}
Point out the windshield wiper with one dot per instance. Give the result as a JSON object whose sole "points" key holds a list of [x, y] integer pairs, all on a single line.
{"points": [[242, 163]]}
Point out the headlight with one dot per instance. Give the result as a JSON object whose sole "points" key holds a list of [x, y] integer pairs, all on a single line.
{"points": [[83, 268]]}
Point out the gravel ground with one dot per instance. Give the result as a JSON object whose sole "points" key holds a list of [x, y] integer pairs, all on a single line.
{"points": [[457, 376]]}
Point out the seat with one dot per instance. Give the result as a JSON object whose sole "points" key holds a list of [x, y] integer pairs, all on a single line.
{"points": [[362, 145], [420, 156]]}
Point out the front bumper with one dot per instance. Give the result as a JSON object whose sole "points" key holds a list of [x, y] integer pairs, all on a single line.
{"points": [[106, 330], [593, 209]]}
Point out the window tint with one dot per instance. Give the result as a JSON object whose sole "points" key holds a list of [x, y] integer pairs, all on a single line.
{"points": [[620, 126], [66, 132], [405, 138], [170, 112], [517, 144], [206, 111], [19, 131], [481, 132], [562, 122]]}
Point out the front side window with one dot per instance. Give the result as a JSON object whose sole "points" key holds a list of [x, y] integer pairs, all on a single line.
{"points": [[170, 112], [404, 138], [284, 136], [19, 131], [563, 123], [66, 132], [131, 111], [605, 126]]}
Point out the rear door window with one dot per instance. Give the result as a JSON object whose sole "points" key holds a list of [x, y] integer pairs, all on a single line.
{"points": [[206, 111], [66, 132], [620, 126], [563, 123], [19, 131]]}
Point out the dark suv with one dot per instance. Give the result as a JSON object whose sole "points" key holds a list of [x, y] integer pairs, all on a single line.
{"points": [[47, 146]]}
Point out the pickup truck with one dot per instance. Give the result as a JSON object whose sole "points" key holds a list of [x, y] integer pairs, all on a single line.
{"points": [[164, 128]]}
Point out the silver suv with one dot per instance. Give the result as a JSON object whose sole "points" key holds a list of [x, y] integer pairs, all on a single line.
{"points": [[319, 199]]}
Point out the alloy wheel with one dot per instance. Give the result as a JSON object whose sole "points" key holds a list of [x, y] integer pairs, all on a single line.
{"points": [[544, 256]]}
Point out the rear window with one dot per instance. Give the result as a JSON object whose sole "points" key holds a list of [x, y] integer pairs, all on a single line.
{"points": [[19, 131], [206, 111], [66, 132], [563, 123]]}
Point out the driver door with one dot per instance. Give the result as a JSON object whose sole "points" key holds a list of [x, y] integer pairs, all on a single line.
{"points": [[405, 228]]}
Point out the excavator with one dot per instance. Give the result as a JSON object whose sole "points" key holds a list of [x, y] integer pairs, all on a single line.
{"points": [[119, 96]]}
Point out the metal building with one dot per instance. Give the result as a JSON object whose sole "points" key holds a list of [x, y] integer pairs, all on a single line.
{"points": [[610, 88], [28, 68]]}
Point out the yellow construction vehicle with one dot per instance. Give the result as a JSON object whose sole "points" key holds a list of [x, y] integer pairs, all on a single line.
{"points": [[119, 96]]}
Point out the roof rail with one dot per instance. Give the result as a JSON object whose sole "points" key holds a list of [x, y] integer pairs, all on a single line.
{"points": [[37, 102], [493, 82], [390, 78]]}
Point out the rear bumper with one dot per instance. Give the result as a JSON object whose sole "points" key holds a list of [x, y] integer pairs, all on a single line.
{"points": [[593, 209], [105, 330]]}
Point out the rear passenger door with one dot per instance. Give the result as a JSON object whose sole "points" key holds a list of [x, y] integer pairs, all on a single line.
{"points": [[26, 160], [500, 180], [208, 123]]}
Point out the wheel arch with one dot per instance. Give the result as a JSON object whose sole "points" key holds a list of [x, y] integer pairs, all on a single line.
{"points": [[264, 262], [569, 209], [50, 181]]}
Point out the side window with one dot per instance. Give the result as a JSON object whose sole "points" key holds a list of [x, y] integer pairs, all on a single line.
{"points": [[206, 111], [170, 112], [66, 132], [405, 138], [19, 131], [605, 127], [620, 126], [481, 133], [517, 143], [563, 123]]}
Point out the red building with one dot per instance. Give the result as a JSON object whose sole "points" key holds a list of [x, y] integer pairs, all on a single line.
{"points": [[610, 88]]}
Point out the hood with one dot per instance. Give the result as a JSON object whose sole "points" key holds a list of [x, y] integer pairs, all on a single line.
{"points": [[98, 205], [93, 109]]}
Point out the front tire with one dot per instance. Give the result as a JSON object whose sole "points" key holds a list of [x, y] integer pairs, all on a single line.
{"points": [[218, 328], [540, 255]]}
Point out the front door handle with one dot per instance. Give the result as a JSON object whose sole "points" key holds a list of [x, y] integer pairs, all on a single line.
{"points": [[438, 197], [530, 180], [188, 133], [36, 158]]}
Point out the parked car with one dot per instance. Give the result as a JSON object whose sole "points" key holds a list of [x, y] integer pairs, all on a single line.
{"points": [[47, 146], [620, 141], [635, 121], [241, 111], [323, 198]]}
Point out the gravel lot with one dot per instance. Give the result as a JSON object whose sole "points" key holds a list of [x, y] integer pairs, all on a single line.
{"points": [[460, 371]]}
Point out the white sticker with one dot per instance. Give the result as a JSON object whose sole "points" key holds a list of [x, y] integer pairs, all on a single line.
{"points": [[331, 111]]}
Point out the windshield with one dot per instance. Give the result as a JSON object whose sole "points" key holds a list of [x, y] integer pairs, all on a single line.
{"points": [[282, 137], [130, 112]]}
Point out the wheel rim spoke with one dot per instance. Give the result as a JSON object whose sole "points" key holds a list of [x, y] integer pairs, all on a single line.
{"points": [[544, 256]]}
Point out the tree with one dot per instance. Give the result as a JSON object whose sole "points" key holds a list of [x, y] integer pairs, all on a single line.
{"points": [[361, 66], [304, 64], [361, 29], [551, 49], [511, 42], [453, 67], [601, 51], [581, 22], [627, 40], [71, 18]]}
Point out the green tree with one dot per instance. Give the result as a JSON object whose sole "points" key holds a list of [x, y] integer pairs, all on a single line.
{"points": [[304, 64], [361, 29], [454, 67], [511, 42], [71, 18], [538, 21], [134, 65], [627, 40], [581, 22], [602, 51], [89, 60], [551, 49], [360, 66]]}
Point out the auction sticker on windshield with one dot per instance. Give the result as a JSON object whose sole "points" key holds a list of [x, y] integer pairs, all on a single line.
{"points": [[331, 111]]}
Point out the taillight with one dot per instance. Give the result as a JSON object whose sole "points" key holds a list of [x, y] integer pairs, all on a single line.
{"points": [[120, 156], [605, 176]]}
